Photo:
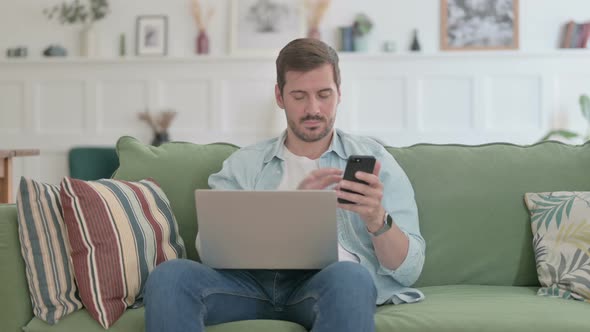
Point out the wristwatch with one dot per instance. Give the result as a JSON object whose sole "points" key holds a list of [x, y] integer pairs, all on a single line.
{"points": [[387, 222]]}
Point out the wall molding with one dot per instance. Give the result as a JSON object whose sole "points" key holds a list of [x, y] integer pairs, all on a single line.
{"points": [[402, 99]]}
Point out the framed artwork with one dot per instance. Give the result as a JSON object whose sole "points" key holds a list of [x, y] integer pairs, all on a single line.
{"points": [[265, 26], [479, 24], [152, 35]]}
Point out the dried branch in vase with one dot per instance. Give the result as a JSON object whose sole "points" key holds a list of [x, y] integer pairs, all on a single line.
{"points": [[198, 11], [160, 123], [316, 9]]}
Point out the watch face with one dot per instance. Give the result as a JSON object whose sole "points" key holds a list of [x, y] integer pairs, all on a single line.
{"points": [[389, 220]]}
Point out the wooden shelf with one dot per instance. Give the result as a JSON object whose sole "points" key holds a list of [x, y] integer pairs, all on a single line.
{"points": [[558, 53]]}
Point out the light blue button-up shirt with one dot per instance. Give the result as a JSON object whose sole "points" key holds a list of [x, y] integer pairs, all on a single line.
{"points": [[260, 167]]}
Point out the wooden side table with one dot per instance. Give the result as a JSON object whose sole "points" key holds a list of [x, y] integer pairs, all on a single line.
{"points": [[6, 171]]}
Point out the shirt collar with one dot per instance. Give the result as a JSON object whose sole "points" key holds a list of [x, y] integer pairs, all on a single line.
{"points": [[278, 149], [337, 145]]}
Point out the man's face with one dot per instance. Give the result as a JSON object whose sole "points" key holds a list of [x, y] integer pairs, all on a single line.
{"points": [[310, 100]]}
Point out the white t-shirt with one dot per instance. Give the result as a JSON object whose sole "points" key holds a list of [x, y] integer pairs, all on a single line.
{"points": [[295, 169]]}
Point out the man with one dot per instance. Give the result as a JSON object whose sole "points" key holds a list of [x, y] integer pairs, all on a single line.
{"points": [[381, 251]]}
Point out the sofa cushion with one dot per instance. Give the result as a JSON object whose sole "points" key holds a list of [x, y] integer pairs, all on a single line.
{"points": [[471, 209], [15, 301], [46, 252], [483, 309], [446, 308], [560, 222], [118, 231], [179, 168], [132, 321]]}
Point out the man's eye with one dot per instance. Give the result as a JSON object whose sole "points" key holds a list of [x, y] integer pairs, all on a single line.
{"points": [[298, 97], [325, 95]]}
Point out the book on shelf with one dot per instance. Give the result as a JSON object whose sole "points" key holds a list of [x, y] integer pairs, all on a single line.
{"points": [[576, 35]]}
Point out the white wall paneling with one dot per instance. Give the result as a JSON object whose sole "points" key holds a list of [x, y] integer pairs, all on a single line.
{"points": [[466, 98], [248, 106], [12, 96], [387, 110], [60, 107], [119, 101], [447, 104], [568, 89], [514, 103], [192, 100]]}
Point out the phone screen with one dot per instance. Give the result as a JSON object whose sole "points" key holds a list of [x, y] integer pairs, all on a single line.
{"points": [[355, 164]]}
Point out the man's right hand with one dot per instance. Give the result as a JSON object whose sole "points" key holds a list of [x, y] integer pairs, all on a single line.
{"points": [[321, 179]]}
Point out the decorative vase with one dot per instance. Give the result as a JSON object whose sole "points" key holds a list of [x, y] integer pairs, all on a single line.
{"points": [[122, 45], [360, 43], [314, 33], [346, 39], [202, 42], [160, 138], [415, 42], [88, 41]]}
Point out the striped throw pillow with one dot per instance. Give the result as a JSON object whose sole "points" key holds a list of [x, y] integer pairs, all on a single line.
{"points": [[119, 231], [45, 250]]}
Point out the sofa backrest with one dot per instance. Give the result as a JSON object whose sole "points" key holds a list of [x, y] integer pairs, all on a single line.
{"points": [[471, 207], [470, 198], [179, 168]]}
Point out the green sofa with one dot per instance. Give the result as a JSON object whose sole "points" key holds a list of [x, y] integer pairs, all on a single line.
{"points": [[479, 273]]}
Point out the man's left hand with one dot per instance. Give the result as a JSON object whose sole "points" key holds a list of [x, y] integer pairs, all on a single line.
{"points": [[367, 203]]}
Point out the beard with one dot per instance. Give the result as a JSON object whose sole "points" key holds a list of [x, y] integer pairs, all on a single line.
{"points": [[310, 136]]}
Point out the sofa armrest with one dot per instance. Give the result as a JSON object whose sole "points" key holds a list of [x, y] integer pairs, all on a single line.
{"points": [[15, 303]]}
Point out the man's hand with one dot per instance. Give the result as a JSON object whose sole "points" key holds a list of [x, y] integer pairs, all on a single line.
{"points": [[368, 201], [321, 179]]}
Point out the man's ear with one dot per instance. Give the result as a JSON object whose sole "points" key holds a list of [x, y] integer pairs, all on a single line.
{"points": [[339, 96], [279, 97]]}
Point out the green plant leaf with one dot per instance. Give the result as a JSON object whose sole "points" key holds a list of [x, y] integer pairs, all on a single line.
{"points": [[552, 273], [548, 206], [567, 134], [585, 106], [577, 235], [562, 267]]}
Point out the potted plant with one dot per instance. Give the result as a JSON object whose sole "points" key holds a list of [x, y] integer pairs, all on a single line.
{"points": [[361, 28], [568, 135], [85, 14]]}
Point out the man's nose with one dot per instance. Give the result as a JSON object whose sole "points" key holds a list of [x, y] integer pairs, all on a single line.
{"points": [[313, 106]]}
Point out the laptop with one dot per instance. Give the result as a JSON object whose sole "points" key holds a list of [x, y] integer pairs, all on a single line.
{"points": [[267, 229]]}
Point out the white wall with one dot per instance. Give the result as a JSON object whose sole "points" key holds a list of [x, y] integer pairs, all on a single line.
{"points": [[434, 97], [22, 23]]}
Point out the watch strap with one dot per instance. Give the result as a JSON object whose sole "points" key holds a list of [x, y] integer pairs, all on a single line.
{"points": [[387, 222]]}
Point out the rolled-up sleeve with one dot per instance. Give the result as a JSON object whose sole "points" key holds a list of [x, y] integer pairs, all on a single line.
{"points": [[409, 271], [399, 202]]}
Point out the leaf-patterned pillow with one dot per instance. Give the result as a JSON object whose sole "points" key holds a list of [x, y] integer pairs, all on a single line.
{"points": [[561, 228]]}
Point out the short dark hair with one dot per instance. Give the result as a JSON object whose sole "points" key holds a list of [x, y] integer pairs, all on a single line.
{"points": [[303, 55]]}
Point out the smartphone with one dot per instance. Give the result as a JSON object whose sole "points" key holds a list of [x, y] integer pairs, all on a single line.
{"points": [[355, 164]]}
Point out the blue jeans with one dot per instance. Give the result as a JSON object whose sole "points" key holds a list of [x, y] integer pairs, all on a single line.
{"points": [[183, 295]]}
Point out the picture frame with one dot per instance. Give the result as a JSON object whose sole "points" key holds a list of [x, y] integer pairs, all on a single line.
{"points": [[151, 35], [263, 27], [479, 25]]}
